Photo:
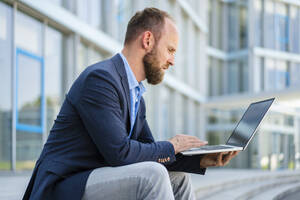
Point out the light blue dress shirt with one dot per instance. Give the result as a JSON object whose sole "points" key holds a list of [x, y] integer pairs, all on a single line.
{"points": [[136, 91]]}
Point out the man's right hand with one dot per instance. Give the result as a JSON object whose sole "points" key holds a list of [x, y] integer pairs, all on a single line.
{"points": [[185, 142]]}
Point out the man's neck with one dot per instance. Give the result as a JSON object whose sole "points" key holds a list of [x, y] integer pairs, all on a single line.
{"points": [[135, 63]]}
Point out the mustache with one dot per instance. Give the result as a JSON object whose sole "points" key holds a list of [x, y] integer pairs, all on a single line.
{"points": [[166, 66]]}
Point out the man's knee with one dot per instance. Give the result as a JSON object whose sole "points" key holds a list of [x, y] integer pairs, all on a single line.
{"points": [[155, 170]]}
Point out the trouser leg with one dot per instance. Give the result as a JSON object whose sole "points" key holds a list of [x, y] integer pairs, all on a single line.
{"points": [[145, 181], [182, 186]]}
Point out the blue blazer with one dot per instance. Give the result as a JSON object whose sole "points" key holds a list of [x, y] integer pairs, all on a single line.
{"points": [[91, 131]]}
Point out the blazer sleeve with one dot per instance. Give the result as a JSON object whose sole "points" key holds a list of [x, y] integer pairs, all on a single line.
{"points": [[146, 135], [190, 164], [100, 110]]}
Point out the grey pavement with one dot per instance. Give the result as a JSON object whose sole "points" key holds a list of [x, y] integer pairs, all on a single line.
{"points": [[216, 183]]}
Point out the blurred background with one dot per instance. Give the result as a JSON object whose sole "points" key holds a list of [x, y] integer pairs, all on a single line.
{"points": [[231, 53]]}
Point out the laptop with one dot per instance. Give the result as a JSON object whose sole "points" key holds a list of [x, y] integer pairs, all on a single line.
{"points": [[243, 132]]}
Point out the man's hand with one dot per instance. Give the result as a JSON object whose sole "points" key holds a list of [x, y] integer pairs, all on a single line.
{"points": [[217, 159], [184, 142]]}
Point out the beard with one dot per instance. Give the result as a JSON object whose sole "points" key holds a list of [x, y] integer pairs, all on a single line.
{"points": [[153, 71]]}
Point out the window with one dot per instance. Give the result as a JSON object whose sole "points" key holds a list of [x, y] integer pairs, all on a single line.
{"points": [[282, 76], [244, 74], [233, 77], [233, 27], [216, 77], [270, 74], [277, 76], [89, 12], [294, 74], [281, 27], [243, 34], [294, 29], [82, 57], [124, 12], [258, 6], [269, 35]]}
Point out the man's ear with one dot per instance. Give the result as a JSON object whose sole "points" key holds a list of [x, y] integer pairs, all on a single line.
{"points": [[148, 41]]}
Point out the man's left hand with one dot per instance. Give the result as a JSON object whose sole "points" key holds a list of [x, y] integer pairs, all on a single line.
{"points": [[217, 159]]}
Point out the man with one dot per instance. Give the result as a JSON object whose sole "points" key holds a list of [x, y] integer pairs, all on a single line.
{"points": [[101, 147]]}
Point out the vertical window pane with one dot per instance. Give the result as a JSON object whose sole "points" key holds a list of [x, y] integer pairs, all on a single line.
{"points": [[281, 75], [95, 13], [244, 74], [82, 57], [233, 77], [5, 86], [83, 10], [269, 36], [295, 74], [243, 27], [270, 73], [281, 26], [28, 34], [232, 26], [29, 90], [258, 22], [53, 74], [295, 29], [29, 39], [124, 11]]}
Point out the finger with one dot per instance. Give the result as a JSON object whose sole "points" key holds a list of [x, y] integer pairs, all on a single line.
{"points": [[219, 159], [197, 143], [193, 138], [227, 158]]}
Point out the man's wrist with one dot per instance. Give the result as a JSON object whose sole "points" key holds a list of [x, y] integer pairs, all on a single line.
{"points": [[174, 147]]}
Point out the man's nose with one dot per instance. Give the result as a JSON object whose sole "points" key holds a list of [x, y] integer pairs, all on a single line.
{"points": [[171, 61]]}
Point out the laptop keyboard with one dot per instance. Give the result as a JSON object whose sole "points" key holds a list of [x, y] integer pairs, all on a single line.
{"points": [[212, 147]]}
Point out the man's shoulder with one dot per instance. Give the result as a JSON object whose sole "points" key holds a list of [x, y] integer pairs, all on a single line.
{"points": [[105, 66], [105, 69], [101, 73]]}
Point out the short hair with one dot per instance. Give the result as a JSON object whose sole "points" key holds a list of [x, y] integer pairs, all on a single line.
{"points": [[149, 19]]}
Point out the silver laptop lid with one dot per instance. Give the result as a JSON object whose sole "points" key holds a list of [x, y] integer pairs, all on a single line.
{"points": [[247, 126]]}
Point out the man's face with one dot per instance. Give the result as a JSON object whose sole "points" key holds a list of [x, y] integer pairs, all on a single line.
{"points": [[162, 55]]}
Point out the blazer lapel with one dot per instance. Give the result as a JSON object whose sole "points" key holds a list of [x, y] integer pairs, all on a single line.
{"points": [[117, 60]]}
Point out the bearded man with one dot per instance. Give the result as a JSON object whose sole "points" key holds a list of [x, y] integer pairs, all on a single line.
{"points": [[100, 146]]}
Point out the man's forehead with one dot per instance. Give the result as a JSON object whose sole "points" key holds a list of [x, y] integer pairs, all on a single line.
{"points": [[170, 26]]}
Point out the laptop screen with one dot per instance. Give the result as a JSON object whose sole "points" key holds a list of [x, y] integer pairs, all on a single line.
{"points": [[249, 122]]}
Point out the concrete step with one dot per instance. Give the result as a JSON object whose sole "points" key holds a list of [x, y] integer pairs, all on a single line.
{"points": [[247, 190], [276, 193], [241, 183]]}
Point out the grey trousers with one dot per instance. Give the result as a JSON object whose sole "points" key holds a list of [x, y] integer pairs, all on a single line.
{"points": [[145, 180]]}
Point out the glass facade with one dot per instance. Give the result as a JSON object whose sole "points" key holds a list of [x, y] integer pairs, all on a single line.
{"points": [[273, 26], [36, 89]]}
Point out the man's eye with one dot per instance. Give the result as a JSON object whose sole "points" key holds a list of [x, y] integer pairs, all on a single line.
{"points": [[171, 51]]}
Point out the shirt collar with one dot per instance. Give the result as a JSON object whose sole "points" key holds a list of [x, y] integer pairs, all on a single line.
{"points": [[132, 82]]}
